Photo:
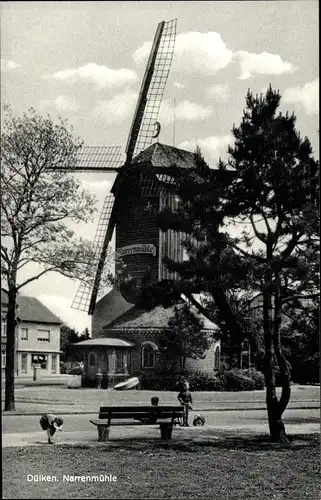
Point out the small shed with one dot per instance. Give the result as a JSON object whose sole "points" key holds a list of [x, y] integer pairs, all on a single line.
{"points": [[109, 358]]}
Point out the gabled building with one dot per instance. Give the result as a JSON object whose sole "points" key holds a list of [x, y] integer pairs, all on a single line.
{"points": [[126, 341], [37, 337]]}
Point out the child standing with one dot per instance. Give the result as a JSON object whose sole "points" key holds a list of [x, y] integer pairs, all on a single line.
{"points": [[185, 398], [50, 423]]}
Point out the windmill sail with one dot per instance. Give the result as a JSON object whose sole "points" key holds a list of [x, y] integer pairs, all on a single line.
{"points": [[99, 159], [152, 89], [87, 289], [95, 159], [140, 136]]}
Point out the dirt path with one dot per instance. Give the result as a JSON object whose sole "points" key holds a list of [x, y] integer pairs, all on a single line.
{"points": [[89, 437]]}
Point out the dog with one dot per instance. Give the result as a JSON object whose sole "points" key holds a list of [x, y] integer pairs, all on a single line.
{"points": [[199, 419]]}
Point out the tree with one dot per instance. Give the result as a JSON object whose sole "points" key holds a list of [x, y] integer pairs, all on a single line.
{"points": [[253, 236], [37, 200], [68, 337], [85, 335], [302, 342], [184, 338]]}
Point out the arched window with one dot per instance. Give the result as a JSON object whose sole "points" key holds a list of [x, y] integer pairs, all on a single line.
{"points": [[217, 358], [92, 359], [149, 355]]}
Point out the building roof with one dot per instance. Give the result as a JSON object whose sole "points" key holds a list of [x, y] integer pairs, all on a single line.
{"points": [[162, 155], [31, 309], [157, 318], [113, 304], [108, 342]]}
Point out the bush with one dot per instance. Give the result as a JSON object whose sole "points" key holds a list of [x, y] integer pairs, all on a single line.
{"points": [[160, 380], [229, 380], [257, 376], [63, 367], [235, 380], [202, 382], [76, 370], [149, 381]]}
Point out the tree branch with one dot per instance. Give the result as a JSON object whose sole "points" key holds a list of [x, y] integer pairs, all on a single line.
{"points": [[298, 296], [260, 236]]}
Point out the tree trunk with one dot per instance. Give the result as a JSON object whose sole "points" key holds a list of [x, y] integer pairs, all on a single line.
{"points": [[10, 351], [275, 407], [285, 373]]}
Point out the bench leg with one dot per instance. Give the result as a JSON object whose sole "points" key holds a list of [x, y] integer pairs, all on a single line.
{"points": [[103, 432], [166, 430]]}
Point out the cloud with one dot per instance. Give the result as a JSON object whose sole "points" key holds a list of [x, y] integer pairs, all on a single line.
{"points": [[61, 103], [212, 147], [178, 85], [207, 53], [8, 65], [101, 76], [264, 63], [221, 92], [99, 188], [194, 51], [116, 109], [307, 96], [184, 111]]}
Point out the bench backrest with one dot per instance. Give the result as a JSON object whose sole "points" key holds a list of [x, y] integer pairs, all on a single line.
{"points": [[164, 411]]}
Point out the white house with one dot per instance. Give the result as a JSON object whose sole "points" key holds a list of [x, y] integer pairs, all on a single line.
{"points": [[37, 338]]}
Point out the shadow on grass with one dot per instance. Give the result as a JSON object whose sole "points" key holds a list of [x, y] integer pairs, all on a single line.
{"points": [[298, 420], [253, 443]]}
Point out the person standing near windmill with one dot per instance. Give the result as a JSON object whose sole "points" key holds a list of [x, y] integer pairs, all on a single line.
{"points": [[185, 398]]}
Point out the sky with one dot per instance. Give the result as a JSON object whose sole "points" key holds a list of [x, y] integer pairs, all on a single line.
{"points": [[85, 61]]}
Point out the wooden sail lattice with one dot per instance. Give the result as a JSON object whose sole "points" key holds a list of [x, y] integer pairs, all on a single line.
{"points": [[83, 295], [107, 159], [95, 159], [161, 68]]}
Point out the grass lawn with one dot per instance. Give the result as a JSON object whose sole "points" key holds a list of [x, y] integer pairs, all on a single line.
{"points": [[229, 469]]}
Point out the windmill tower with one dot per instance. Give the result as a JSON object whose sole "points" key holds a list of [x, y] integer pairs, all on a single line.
{"points": [[145, 181], [141, 180]]}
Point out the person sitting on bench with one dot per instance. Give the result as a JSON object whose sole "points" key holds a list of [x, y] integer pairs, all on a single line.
{"points": [[152, 418]]}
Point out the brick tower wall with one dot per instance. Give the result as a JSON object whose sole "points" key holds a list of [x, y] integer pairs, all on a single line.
{"points": [[134, 226]]}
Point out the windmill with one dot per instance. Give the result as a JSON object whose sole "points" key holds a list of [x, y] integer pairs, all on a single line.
{"points": [[130, 177]]}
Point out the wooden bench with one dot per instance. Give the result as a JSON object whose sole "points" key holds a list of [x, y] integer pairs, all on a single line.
{"points": [[162, 415]]}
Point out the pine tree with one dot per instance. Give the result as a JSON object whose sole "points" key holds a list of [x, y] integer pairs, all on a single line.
{"points": [[253, 227]]}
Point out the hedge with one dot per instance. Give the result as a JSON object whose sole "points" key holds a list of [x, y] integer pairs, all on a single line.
{"points": [[229, 380]]}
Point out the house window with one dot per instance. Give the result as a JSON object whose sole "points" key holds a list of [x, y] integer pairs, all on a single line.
{"points": [[24, 361], [3, 359], [43, 336], [217, 358], [24, 333], [3, 327], [92, 359], [54, 363], [120, 361], [40, 359], [148, 356]]}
